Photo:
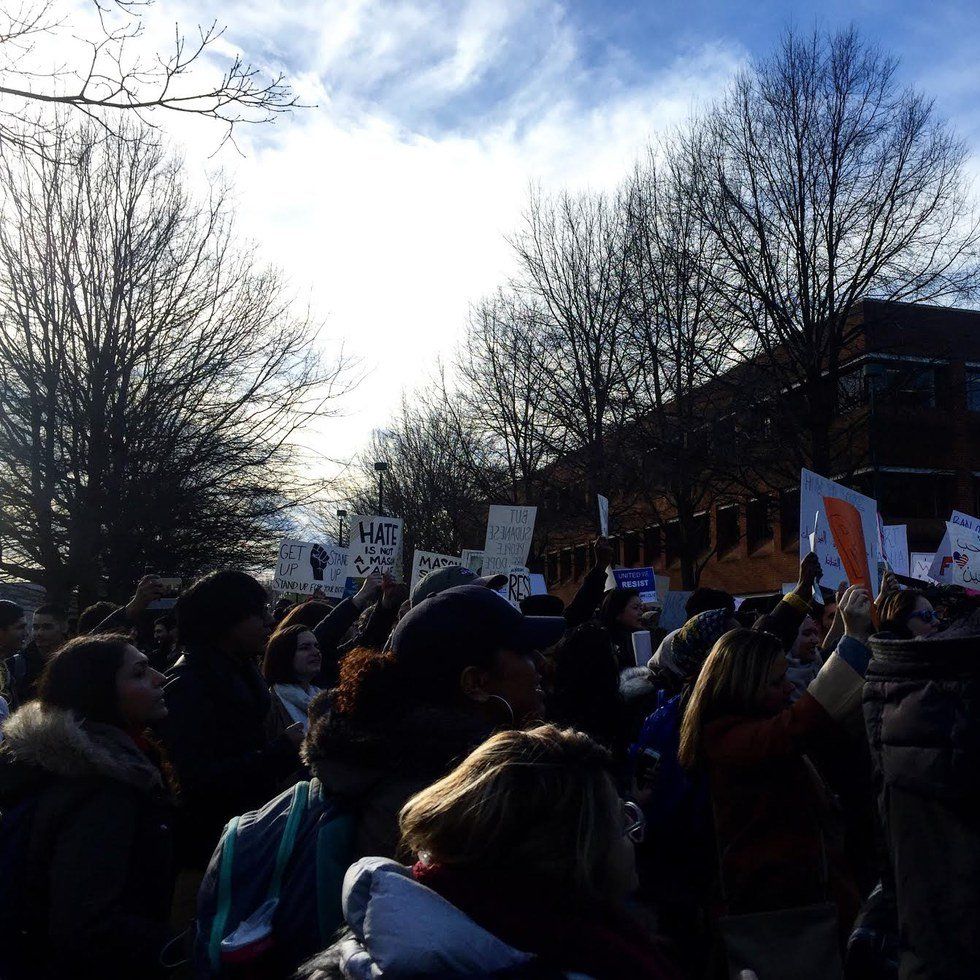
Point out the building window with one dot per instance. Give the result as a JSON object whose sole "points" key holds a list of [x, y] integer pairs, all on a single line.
{"points": [[673, 548], [565, 564], [908, 386], [904, 496], [789, 517], [850, 391], [726, 523], [973, 390], [701, 534], [579, 559], [651, 544], [758, 525], [631, 548], [552, 566]]}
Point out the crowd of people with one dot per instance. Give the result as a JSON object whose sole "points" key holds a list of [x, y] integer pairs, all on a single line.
{"points": [[442, 784]]}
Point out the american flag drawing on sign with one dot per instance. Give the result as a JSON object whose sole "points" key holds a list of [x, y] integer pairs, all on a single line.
{"points": [[960, 559]]}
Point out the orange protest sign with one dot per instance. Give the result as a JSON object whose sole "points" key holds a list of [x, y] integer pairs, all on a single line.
{"points": [[845, 526]]}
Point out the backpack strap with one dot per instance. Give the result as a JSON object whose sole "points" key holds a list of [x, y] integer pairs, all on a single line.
{"points": [[297, 810], [223, 906]]}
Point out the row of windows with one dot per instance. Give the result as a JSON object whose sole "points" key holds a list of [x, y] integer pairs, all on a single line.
{"points": [[901, 497]]}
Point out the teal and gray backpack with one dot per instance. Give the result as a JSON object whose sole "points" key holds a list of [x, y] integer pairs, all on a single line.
{"points": [[271, 896]]}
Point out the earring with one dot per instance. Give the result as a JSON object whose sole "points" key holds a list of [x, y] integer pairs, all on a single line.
{"points": [[506, 704]]}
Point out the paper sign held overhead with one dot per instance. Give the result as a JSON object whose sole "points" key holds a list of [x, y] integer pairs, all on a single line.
{"points": [[848, 534], [473, 560], [305, 567], [375, 543], [643, 580], [674, 615], [920, 562], [518, 585], [424, 562], [957, 561], [814, 489], [603, 515], [509, 533], [895, 545]]}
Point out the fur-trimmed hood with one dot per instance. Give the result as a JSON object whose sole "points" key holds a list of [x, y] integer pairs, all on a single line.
{"points": [[57, 742]]}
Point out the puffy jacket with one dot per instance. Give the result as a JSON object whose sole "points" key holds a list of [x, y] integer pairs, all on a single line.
{"points": [[399, 927], [922, 712], [100, 856]]}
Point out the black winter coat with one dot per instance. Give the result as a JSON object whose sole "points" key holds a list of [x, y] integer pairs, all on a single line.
{"points": [[922, 712], [100, 866], [215, 738]]}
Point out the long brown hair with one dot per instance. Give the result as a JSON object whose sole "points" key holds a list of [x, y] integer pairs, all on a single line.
{"points": [[895, 610], [540, 804], [731, 682]]}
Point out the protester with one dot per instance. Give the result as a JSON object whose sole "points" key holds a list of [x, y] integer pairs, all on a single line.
{"points": [[215, 733], [677, 664], [906, 614], [922, 712], [804, 658], [525, 861], [49, 630], [95, 873], [585, 691], [13, 629], [459, 668], [586, 601], [777, 848], [621, 614], [292, 660], [164, 641], [94, 615]]}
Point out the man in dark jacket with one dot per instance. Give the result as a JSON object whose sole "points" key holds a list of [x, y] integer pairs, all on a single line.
{"points": [[922, 711], [215, 733]]}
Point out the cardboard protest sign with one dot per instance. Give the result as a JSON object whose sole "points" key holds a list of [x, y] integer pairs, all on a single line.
{"points": [[603, 515], [305, 566], [375, 543], [424, 562], [895, 547], [814, 490], [674, 616], [509, 533], [957, 561], [473, 560], [518, 585], [920, 562], [644, 580]]}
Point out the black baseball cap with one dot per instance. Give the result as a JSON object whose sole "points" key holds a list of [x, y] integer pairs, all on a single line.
{"points": [[451, 577], [467, 624]]}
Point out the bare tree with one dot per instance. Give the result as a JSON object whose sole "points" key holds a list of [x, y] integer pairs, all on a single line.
{"points": [[575, 269], [111, 80], [153, 376], [823, 181], [681, 346]]}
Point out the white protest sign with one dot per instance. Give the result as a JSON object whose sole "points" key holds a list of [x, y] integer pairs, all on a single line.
{"points": [[603, 515], [920, 562], [538, 584], [473, 560], [895, 542], [958, 560], [509, 533], [518, 585], [305, 566], [673, 615], [965, 520], [813, 489], [375, 543], [428, 561]]}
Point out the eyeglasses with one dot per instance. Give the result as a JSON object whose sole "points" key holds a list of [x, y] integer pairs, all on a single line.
{"points": [[926, 615], [636, 822]]}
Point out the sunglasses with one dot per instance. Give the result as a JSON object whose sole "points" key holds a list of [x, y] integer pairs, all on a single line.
{"points": [[926, 615], [636, 822]]}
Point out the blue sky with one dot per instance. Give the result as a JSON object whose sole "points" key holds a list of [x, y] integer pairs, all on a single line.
{"points": [[387, 203]]}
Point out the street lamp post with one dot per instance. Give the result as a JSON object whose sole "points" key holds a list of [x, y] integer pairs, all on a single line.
{"points": [[381, 469], [341, 514]]}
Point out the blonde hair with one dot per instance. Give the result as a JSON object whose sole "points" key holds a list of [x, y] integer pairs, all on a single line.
{"points": [[731, 681], [541, 803]]}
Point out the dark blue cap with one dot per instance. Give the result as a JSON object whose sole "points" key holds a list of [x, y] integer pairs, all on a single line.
{"points": [[467, 624]]}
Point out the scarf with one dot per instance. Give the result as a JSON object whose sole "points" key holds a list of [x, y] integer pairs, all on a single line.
{"points": [[296, 701], [597, 941]]}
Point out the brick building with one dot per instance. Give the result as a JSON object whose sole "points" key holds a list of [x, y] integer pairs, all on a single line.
{"points": [[910, 387]]}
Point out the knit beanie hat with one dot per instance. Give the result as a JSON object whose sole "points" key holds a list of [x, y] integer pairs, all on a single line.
{"points": [[692, 643]]}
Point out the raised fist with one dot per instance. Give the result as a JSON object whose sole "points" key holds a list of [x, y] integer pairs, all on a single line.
{"points": [[319, 559]]}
